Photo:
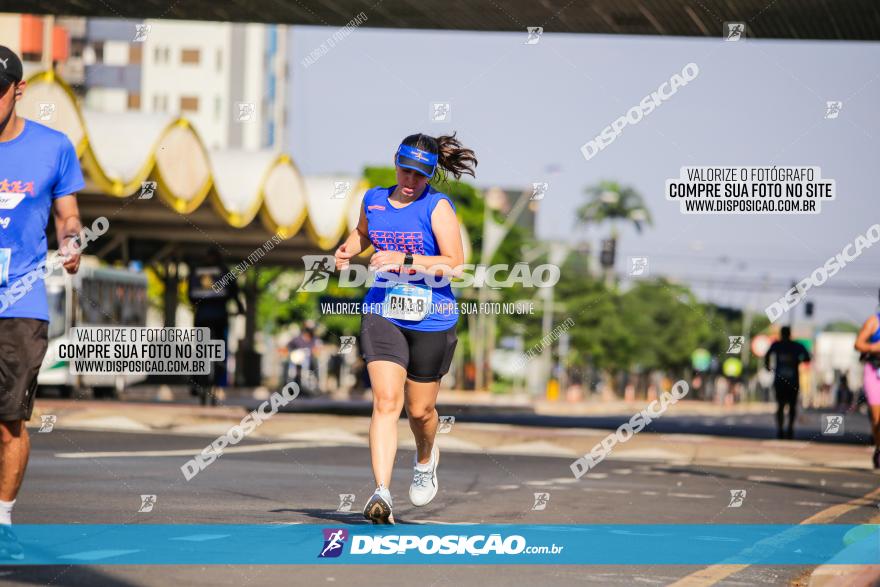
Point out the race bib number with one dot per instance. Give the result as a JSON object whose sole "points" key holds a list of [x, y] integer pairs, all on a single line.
{"points": [[5, 260], [407, 302], [9, 200]]}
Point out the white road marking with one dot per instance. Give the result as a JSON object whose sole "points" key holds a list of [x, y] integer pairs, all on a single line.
{"points": [[764, 479], [186, 452], [538, 447], [336, 435], [857, 485], [209, 429], [691, 495]]}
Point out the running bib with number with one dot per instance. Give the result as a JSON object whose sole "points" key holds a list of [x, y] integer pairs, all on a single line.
{"points": [[407, 302]]}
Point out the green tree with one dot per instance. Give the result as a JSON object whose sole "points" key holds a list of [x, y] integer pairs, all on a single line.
{"points": [[611, 202]]}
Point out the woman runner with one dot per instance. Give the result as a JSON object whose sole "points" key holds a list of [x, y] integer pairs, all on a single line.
{"points": [[868, 343], [408, 325]]}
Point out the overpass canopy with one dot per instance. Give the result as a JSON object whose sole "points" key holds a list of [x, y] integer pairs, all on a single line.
{"points": [[768, 19], [236, 200]]}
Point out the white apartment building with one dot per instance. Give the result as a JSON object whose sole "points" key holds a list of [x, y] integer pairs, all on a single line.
{"points": [[228, 79]]}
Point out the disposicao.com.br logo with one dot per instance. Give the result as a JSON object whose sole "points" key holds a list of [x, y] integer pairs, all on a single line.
{"points": [[430, 544]]}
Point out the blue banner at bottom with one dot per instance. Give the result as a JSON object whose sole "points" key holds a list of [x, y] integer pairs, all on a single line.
{"points": [[281, 544]]}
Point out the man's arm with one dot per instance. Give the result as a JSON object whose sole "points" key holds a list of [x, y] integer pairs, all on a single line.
{"points": [[770, 351], [67, 226]]}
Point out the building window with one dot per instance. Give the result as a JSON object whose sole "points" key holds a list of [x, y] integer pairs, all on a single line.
{"points": [[217, 107], [161, 54], [189, 104], [134, 101], [219, 60], [135, 53], [160, 103], [190, 56], [98, 46]]}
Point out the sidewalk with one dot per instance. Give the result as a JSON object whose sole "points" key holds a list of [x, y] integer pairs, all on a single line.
{"points": [[467, 400]]}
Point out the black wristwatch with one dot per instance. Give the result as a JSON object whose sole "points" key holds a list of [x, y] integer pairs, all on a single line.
{"points": [[407, 260]]}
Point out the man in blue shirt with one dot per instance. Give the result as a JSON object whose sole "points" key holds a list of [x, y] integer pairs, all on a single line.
{"points": [[39, 172]]}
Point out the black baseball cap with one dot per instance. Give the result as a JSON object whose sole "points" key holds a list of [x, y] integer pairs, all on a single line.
{"points": [[10, 67]]}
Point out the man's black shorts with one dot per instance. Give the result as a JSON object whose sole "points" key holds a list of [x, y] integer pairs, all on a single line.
{"points": [[426, 356], [23, 343], [786, 393]]}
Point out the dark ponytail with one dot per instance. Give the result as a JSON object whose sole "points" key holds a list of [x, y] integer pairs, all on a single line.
{"points": [[452, 157]]}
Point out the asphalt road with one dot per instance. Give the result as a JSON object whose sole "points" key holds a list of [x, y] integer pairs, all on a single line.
{"points": [[302, 485]]}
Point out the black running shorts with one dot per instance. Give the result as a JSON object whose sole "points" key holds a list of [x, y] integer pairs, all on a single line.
{"points": [[786, 392], [426, 356], [23, 343]]}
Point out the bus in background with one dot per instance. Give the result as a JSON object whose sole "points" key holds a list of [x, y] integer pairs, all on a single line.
{"points": [[95, 296]]}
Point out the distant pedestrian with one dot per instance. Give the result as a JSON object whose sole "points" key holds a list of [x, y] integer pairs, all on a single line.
{"points": [[789, 355]]}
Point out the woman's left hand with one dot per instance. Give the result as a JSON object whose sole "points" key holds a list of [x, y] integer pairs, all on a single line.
{"points": [[386, 258]]}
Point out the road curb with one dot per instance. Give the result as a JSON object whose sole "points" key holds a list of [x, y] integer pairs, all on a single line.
{"points": [[845, 576]]}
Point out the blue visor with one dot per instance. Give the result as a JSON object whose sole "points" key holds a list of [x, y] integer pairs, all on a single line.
{"points": [[421, 161]]}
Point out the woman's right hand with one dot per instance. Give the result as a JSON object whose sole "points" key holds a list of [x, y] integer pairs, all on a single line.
{"points": [[342, 257]]}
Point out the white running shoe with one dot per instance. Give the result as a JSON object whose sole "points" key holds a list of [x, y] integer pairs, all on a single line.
{"points": [[378, 508], [424, 484]]}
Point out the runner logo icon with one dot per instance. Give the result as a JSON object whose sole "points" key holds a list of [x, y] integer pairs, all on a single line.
{"points": [[334, 540], [832, 424], [318, 268]]}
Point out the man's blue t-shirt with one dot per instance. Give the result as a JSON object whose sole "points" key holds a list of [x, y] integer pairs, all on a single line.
{"points": [[36, 167]]}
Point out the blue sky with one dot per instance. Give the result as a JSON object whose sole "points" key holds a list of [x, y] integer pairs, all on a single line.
{"points": [[526, 109]]}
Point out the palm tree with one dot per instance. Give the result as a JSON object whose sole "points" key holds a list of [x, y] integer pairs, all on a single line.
{"points": [[611, 202]]}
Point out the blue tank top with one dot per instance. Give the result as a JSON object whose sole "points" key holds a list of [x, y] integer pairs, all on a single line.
{"points": [[408, 229], [876, 336]]}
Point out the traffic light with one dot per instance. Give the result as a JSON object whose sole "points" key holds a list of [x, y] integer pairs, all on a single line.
{"points": [[808, 307]]}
